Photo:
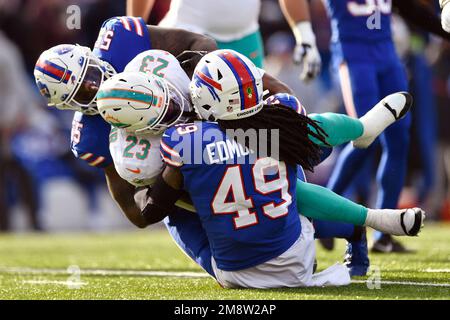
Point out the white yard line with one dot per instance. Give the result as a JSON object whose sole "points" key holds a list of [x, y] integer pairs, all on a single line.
{"points": [[437, 270], [65, 283], [105, 272], [147, 273], [407, 283]]}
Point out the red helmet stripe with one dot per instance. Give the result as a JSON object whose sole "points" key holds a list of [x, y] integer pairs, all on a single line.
{"points": [[247, 87]]}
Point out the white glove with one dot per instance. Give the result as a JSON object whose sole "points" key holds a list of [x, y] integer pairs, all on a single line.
{"points": [[305, 52], [445, 17]]}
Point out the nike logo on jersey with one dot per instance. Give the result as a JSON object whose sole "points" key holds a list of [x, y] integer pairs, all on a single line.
{"points": [[137, 171]]}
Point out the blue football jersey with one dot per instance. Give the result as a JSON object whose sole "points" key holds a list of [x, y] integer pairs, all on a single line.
{"points": [[90, 139], [246, 204], [119, 41], [366, 20], [292, 102]]}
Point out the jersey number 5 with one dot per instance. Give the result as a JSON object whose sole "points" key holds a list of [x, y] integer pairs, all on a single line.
{"points": [[231, 198], [104, 39]]}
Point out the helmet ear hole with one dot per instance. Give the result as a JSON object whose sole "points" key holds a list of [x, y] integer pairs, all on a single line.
{"points": [[206, 106]]}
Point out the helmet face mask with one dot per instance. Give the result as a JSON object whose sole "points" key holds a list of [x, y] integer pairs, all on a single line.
{"points": [[84, 95], [69, 77], [226, 86]]}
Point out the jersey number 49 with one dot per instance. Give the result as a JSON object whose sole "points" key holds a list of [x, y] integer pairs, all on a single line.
{"points": [[232, 187]]}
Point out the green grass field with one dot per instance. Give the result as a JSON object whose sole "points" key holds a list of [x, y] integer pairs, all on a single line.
{"points": [[34, 266]]}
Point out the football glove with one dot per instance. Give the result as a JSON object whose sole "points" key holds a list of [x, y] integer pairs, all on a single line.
{"points": [[305, 52], [445, 15]]}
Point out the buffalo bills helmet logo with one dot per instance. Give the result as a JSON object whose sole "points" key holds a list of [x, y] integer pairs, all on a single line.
{"points": [[203, 78]]}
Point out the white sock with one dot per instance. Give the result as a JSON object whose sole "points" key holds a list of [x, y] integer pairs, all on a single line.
{"points": [[377, 119], [389, 220]]}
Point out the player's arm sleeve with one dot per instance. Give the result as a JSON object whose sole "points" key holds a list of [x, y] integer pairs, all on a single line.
{"points": [[90, 140], [170, 155], [178, 40], [422, 16], [163, 195], [124, 194]]}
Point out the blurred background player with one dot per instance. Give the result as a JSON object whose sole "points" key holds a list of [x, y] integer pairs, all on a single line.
{"points": [[18, 110], [234, 25], [368, 66]]}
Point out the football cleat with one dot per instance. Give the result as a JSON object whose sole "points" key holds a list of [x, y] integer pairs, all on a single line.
{"points": [[389, 110], [407, 222], [327, 243], [386, 244], [357, 256]]}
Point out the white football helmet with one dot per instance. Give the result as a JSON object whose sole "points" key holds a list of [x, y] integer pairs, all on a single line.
{"points": [[226, 86], [139, 102], [69, 77]]}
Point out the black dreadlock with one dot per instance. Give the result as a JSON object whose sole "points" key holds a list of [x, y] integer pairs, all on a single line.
{"points": [[295, 147]]}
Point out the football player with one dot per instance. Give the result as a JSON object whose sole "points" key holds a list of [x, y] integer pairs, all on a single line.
{"points": [[122, 105], [234, 25], [69, 77], [369, 68]]}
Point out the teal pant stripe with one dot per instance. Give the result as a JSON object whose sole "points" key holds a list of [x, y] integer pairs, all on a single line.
{"points": [[320, 203], [339, 128]]}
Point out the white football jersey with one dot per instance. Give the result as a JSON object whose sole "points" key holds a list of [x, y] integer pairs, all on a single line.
{"points": [[136, 157], [224, 20], [162, 64]]}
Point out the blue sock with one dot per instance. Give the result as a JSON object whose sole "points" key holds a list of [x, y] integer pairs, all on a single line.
{"points": [[329, 229]]}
